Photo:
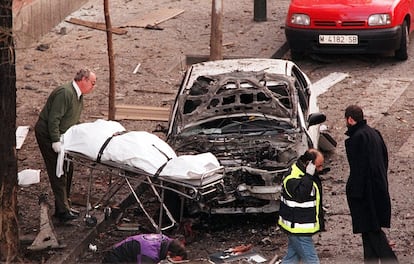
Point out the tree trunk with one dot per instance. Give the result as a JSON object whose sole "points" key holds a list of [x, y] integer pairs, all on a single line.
{"points": [[216, 38], [111, 110], [9, 235]]}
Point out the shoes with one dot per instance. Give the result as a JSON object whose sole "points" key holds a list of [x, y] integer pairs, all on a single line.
{"points": [[66, 216]]}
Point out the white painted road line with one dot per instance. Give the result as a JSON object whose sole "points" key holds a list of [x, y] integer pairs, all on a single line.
{"points": [[323, 85], [380, 95]]}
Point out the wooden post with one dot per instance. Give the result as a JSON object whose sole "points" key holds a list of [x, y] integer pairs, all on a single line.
{"points": [[216, 38], [260, 10], [111, 109]]}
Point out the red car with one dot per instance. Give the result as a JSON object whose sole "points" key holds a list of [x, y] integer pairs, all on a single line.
{"points": [[349, 27]]}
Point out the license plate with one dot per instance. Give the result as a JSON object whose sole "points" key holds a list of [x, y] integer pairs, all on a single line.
{"points": [[338, 39]]}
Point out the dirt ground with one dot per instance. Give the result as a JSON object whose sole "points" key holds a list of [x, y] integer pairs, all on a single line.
{"points": [[161, 54]]}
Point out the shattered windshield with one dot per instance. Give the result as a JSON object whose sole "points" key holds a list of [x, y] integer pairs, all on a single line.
{"points": [[241, 125]]}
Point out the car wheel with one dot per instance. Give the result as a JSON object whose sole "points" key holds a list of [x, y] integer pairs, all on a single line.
{"points": [[402, 53]]}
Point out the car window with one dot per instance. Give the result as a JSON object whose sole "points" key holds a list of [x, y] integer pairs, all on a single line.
{"points": [[302, 87], [241, 125]]}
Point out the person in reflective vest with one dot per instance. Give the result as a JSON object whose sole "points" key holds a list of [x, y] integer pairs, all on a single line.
{"points": [[146, 248], [301, 213]]}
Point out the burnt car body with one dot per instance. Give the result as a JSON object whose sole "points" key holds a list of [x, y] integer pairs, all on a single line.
{"points": [[256, 116]]}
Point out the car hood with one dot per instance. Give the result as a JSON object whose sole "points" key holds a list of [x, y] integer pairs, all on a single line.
{"points": [[237, 93], [341, 9]]}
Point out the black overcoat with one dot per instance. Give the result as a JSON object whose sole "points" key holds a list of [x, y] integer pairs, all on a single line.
{"points": [[367, 185]]}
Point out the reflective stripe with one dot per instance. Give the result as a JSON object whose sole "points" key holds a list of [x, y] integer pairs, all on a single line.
{"points": [[297, 225], [294, 173], [293, 219], [290, 203]]}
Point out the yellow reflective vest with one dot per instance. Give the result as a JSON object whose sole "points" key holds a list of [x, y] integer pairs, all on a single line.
{"points": [[300, 210]]}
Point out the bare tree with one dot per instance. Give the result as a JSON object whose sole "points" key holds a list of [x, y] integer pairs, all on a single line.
{"points": [[9, 235], [111, 60], [216, 38]]}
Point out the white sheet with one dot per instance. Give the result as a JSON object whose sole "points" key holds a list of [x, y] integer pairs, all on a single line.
{"points": [[190, 167], [139, 149], [87, 138]]}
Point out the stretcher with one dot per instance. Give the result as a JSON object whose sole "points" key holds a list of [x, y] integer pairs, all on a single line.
{"points": [[198, 190]]}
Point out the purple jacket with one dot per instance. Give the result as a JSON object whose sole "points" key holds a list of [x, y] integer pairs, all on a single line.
{"points": [[151, 246]]}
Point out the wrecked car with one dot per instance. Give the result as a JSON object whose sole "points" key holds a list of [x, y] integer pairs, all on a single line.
{"points": [[257, 116]]}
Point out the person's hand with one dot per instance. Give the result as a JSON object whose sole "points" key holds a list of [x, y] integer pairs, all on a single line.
{"points": [[57, 146], [175, 259], [310, 168]]}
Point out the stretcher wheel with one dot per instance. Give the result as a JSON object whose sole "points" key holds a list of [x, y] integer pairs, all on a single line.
{"points": [[91, 221]]}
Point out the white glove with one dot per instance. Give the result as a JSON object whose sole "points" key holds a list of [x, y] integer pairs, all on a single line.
{"points": [[310, 169], [57, 146]]}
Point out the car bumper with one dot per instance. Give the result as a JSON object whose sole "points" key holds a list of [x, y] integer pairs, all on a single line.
{"points": [[369, 41]]}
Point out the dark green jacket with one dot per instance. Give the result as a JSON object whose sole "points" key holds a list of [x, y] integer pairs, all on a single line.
{"points": [[61, 111]]}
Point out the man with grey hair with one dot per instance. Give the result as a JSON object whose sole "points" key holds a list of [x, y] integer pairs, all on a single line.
{"points": [[61, 111]]}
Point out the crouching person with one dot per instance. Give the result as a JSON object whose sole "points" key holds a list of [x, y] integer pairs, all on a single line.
{"points": [[301, 213], [146, 248]]}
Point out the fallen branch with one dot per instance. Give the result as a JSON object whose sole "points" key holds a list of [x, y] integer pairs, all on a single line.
{"points": [[96, 25]]}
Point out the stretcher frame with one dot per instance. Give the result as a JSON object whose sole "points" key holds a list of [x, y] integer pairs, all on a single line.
{"points": [[211, 181]]}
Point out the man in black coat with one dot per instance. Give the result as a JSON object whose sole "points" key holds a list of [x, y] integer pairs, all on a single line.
{"points": [[367, 186]]}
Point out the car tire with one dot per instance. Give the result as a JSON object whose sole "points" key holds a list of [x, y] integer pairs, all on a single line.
{"points": [[402, 53]]}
